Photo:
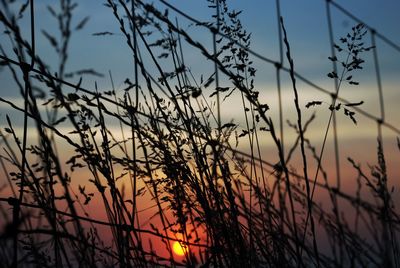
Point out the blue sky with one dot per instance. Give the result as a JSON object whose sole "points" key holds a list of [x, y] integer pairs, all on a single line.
{"points": [[305, 21]]}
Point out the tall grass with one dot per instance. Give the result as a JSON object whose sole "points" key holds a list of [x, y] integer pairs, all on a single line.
{"points": [[173, 171]]}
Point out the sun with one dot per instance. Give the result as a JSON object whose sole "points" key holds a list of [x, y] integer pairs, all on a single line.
{"points": [[179, 249]]}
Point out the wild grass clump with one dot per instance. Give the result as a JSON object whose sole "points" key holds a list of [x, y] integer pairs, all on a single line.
{"points": [[115, 177]]}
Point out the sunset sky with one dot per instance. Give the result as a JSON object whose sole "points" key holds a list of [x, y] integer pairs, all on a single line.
{"points": [[307, 29]]}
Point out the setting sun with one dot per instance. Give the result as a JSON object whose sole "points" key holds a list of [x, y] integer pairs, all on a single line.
{"points": [[179, 249]]}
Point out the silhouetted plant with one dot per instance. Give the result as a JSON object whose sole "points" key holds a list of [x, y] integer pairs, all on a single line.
{"points": [[173, 158]]}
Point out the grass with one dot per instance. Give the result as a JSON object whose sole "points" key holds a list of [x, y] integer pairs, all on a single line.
{"points": [[173, 170]]}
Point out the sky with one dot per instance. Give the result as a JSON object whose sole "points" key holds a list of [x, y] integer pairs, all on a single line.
{"points": [[305, 21], [307, 28]]}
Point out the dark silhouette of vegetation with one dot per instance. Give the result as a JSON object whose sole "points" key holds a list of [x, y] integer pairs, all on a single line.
{"points": [[174, 170]]}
